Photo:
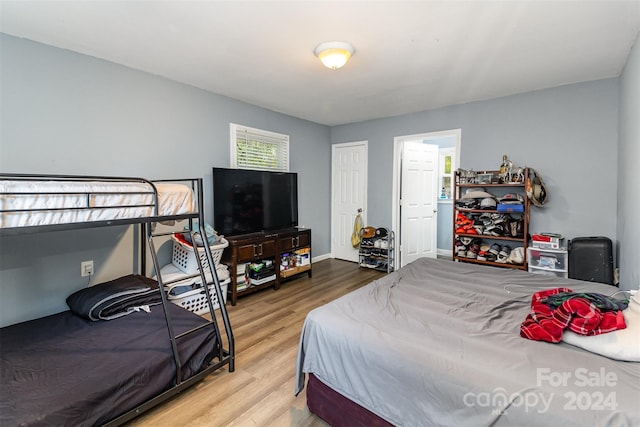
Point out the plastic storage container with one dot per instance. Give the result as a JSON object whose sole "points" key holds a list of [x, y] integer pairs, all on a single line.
{"points": [[552, 262]]}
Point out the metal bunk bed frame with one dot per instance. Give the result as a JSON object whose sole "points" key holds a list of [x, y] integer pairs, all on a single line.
{"points": [[225, 356]]}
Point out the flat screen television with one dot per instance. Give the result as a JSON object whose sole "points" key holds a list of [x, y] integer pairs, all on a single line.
{"points": [[249, 201]]}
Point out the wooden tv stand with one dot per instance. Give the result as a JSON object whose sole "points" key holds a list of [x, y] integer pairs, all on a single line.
{"points": [[292, 245]]}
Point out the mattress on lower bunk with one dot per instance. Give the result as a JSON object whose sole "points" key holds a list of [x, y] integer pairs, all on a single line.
{"points": [[67, 202], [63, 370]]}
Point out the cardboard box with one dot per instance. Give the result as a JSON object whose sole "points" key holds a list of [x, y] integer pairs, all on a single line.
{"points": [[544, 241]]}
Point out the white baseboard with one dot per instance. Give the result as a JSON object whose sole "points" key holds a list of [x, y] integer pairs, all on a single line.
{"points": [[320, 258], [440, 252], [444, 253]]}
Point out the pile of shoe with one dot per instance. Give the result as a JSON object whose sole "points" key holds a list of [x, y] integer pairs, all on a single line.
{"points": [[503, 254], [474, 248], [374, 248], [489, 224], [380, 243], [464, 224], [467, 247], [485, 254]]}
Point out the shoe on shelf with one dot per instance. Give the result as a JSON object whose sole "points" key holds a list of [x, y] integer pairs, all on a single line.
{"points": [[466, 240], [462, 219], [482, 253], [516, 256], [495, 249], [498, 218], [474, 248], [459, 247], [494, 230], [505, 251], [460, 230]]}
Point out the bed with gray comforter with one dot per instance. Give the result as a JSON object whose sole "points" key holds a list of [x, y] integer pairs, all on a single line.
{"points": [[438, 343]]}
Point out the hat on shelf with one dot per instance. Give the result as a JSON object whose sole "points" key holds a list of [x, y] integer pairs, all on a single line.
{"points": [[476, 193], [368, 232], [381, 232], [514, 198]]}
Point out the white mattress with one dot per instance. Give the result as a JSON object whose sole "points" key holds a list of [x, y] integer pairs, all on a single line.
{"points": [[91, 201]]}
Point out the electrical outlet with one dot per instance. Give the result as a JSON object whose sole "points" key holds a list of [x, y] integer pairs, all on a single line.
{"points": [[86, 268]]}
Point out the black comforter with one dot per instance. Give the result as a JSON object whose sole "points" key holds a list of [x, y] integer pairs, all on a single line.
{"points": [[115, 298], [65, 370]]}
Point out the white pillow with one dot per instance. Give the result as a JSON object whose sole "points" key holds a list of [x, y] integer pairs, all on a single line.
{"points": [[623, 344]]}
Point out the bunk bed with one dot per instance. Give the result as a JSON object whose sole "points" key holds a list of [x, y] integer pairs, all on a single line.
{"points": [[438, 343], [73, 368]]}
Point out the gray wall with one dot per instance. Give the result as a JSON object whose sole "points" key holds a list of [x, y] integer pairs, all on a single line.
{"points": [[68, 113], [445, 225], [628, 172], [569, 134]]}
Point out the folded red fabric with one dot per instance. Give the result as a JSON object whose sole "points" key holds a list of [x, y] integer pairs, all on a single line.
{"points": [[180, 237], [579, 315]]}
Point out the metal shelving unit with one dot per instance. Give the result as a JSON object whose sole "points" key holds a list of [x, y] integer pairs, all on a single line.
{"points": [[377, 252]]}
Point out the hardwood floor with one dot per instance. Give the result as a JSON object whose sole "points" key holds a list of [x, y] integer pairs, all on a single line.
{"points": [[267, 327]]}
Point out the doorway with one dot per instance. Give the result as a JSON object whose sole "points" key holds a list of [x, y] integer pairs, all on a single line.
{"points": [[420, 207]]}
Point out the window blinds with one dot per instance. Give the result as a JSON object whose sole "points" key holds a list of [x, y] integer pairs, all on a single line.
{"points": [[259, 149]]}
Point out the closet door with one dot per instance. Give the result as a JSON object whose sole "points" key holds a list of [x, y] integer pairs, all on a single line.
{"points": [[348, 195]]}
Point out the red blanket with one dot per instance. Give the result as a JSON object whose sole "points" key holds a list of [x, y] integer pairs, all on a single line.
{"points": [[577, 314]]}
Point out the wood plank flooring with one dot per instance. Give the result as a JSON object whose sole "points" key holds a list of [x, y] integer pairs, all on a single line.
{"points": [[266, 327]]}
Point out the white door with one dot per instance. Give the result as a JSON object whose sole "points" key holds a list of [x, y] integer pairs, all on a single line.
{"points": [[348, 195], [418, 208]]}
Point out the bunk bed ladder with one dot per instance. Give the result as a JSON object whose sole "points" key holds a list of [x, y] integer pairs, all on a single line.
{"points": [[224, 355], [172, 336], [230, 353]]}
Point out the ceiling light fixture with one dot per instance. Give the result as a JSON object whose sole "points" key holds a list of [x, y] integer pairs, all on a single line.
{"points": [[334, 54]]}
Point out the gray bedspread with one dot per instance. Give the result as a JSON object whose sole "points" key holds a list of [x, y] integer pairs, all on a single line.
{"points": [[437, 343]]}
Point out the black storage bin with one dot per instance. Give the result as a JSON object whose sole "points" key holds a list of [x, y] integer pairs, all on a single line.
{"points": [[591, 259]]}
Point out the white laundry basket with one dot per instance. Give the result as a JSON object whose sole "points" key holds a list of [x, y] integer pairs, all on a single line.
{"points": [[184, 256], [196, 300]]}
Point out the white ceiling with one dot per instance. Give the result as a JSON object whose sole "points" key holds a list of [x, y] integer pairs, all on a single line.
{"points": [[410, 55]]}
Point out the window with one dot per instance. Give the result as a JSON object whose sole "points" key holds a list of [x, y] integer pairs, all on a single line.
{"points": [[259, 149], [447, 161]]}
